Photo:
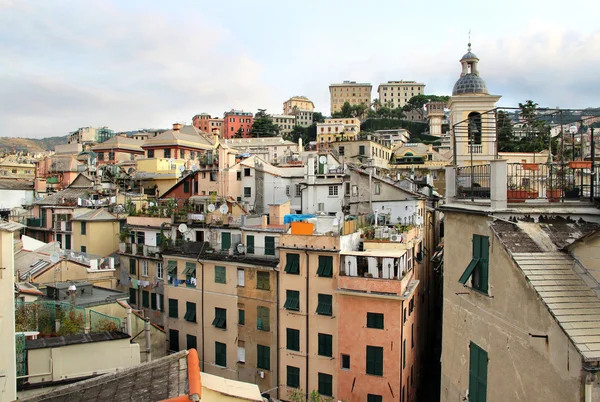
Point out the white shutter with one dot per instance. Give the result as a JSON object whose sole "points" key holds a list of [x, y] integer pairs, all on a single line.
{"points": [[241, 354], [241, 279]]}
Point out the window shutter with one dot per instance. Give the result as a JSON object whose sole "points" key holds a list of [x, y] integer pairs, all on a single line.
{"points": [[241, 279], [241, 354], [484, 263], [250, 244]]}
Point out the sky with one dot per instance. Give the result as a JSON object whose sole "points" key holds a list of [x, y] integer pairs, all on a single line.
{"points": [[130, 64]]}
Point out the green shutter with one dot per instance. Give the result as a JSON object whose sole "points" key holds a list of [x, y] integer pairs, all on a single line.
{"points": [[220, 354], [186, 186], [249, 244], [375, 320], [131, 266], [132, 296], [191, 341], [375, 360], [292, 339], [292, 300], [325, 384], [173, 308], [292, 264], [153, 303], [241, 317], [220, 276], [145, 299], [225, 241], [172, 267], [469, 271], [190, 269], [484, 263], [325, 266], [374, 398], [174, 340], [220, 320], [324, 307], [263, 319], [478, 367], [190, 312], [325, 345], [269, 245], [263, 357], [293, 377], [262, 280]]}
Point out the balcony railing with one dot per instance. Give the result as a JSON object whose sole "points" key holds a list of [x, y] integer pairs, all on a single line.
{"points": [[236, 251], [475, 149], [63, 226], [473, 181], [34, 222]]}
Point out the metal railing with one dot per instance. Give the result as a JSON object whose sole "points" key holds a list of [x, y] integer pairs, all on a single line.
{"points": [[473, 181], [34, 222]]}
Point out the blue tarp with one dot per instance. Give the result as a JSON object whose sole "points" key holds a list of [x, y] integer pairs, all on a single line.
{"points": [[289, 218]]}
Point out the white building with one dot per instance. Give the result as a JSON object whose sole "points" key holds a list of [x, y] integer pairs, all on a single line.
{"points": [[398, 93], [271, 149]]}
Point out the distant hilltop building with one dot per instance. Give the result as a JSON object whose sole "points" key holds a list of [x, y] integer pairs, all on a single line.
{"points": [[398, 93], [301, 107], [352, 92], [208, 124], [89, 135], [235, 120]]}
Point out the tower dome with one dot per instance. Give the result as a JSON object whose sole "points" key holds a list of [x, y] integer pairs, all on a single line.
{"points": [[469, 82]]}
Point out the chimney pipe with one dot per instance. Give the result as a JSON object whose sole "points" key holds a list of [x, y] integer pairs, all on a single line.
{"points": [[176, 126]]}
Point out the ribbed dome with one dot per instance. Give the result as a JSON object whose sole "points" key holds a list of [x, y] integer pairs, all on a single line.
{"points": [[470, 84], [469, 55]]}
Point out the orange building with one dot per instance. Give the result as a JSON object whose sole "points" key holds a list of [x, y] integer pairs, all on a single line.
{"points": [[235, 120], [208, 124]]}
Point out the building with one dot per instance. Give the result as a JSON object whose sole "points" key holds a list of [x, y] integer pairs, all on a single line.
{"points": [[174, 378], [118, 149], [337, 129], [395, 137], [321, 190], [473, 129], [349, 91], [520, 298], [211, 125], [56, 173], [285, 122], [8, 358], [13, 167], [87, 136], [304, 118], [237, 121], [298, 103], [435, 117], [417, 161], [274, 150], [398, 93]]}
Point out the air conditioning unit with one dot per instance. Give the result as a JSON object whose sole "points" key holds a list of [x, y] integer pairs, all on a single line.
{"points": [[396, 238]]}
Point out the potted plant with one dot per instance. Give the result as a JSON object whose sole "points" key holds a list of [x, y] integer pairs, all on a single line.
{"points": [[580, 164], [530, 166], [514, 193]]}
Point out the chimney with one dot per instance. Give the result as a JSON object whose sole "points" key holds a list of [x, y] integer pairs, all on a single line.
{"points": [[176, 126], [263, 221]]}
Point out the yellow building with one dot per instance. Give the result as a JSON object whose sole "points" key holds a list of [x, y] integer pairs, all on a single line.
{"points": [[398, 93], [285, 122], [298, 103], [338, 129], [364, 149], [96, 232], [11, 167], [119, 149], [349, 91]]}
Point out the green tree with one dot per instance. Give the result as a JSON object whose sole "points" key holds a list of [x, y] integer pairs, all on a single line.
{"points": [[504, 132], [263, 125], [318, 117], [346, 111], [299, 396], [239, 133], [417, 102], [537, 130]]}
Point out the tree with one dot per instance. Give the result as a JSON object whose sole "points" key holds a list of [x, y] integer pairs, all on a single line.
{"points": [[538, 131], [263, 125], [318, 117], [417, 102], [299, 396], [239, 133], [346, 111], [504, 133]]}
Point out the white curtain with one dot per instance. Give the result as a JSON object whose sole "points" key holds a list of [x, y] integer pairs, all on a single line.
{"points": [[373, 269], [351, 265], [388, 268]]}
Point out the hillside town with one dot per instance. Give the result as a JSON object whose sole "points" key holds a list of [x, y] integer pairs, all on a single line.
{"points": [[398, 247]]}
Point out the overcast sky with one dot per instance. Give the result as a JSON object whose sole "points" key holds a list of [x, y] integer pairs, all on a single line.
{"points": [[126, 64]]}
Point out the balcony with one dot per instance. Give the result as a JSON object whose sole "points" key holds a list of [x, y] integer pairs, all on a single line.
{"points": [[34, 222], [63, 226], [475, 149], [141, 250]]}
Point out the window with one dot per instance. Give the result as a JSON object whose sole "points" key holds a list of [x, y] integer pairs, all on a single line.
{"points": [[377, 188], [83, 249], [172, 269], [404, 316], [150, 153], [220, 320], [220, 354], [182, 154], [325, 384], [190, 312], [292, 264], [241, 352], [375, 360], [404, 353], [269, 245], [191, 341], [361, 150], [238, 176], [249, 244], [333, 190], [144, 267], [293, 377], [355, 190], [347, 188], [375, 320], [325, 266], [263, 319], [186, 187], [325, 342], [345, 362], [190, 274], [324, 306], [132, 296], [159, 270], [83, 228], [241, 316], [247, 192], [247, 172], [478, 268], [292, 337], [101, 155], [292, 300], [145, 299], [478, 367], [173, 308], [161, 302], [298, 190], [174, 340], [167, 153], [341, 151], [225, 241], [287, 191], [132, 266], [140, 237], [374, 398], [220, 275], [153, 304], [263, 357], [412, 336], [240, 277], [262, 280]]}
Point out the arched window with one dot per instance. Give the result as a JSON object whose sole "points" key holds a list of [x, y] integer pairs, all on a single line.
{"points": [[409, 154], [475, 128]]}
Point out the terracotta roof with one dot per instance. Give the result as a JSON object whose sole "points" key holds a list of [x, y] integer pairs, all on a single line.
{"points": [[119, 142], [187, 136], [96, 215]]}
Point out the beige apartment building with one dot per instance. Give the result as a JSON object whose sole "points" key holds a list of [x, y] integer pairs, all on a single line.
{"points": [[352, 92], [285, 122], [298, 103], [398, 93]]}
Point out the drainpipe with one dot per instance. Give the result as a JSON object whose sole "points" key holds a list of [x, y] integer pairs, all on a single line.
{"points": [[301, 197], [307, 329], [202, 310], [128, 320], [147, 336]]}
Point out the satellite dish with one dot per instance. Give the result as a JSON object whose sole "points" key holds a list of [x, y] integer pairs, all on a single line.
{"points": [[223, 208], [54, 258], [323, 159], [211, 207], [182, 228], [151, 203]]}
